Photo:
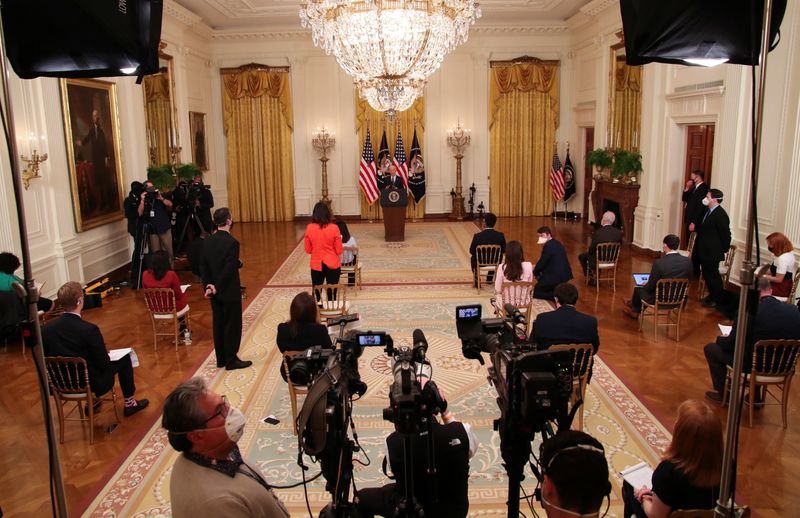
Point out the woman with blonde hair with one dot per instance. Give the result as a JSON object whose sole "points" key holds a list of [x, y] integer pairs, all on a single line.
{"points": [[782, 270], [689, 472]]}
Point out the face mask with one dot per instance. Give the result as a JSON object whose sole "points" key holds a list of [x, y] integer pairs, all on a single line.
{"points": [[231, 226], [150, 188], [542, 240], [706, 201], [772, 250], [234, 424]]}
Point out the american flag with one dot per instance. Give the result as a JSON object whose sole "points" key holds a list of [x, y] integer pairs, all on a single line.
{"points": [[366, 175], [557, 178], [399, 159]]}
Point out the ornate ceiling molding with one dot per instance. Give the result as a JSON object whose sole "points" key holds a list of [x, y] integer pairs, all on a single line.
{"points": [[588, 12], [259, 35], [518, 30]]}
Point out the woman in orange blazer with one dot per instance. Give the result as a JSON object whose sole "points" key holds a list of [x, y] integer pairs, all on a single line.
{"points": [[324, 242]]}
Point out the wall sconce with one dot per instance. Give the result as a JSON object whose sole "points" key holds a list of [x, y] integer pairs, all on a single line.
{"points": [[322, 139], [31, 171]]}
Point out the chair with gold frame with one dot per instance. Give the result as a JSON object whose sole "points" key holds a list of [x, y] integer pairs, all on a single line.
{"points": [[487, 260], [332, 300], [352, 267], [164, 314], [520, 295], [582, 361], [605, 265], [669, 303], [774, 363], [690, 245], [294, 390], [724, 271], [69, 383]]}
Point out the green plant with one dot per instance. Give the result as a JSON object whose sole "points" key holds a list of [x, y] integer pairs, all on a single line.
{"points": [[161, 176], [601, 158], [188, 171], [626, 163]]}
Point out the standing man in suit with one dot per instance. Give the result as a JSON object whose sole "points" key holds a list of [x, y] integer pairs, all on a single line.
{"points": [[392, 179], [693, 194], [713, 242], [70, 335], [552, 268], [672, 265], [607, 233], [487, 236], [774, 320], [222, 286], [565, 325]]}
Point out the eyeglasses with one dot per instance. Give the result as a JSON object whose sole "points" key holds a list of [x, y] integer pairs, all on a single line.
{"points": [[222, 410]]}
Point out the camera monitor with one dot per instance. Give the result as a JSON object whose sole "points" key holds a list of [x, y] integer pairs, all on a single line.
{"points": [[371, 339], [468, 321]]}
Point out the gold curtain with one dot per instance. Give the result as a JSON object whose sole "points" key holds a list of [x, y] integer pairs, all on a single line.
{"points": [[257, 121], [523, 118], [375, 121], [158, 113], [627, 110]]}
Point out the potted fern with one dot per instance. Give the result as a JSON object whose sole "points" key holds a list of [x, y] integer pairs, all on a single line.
{"points": [[601, 158], [627, 165], [163, 178]]}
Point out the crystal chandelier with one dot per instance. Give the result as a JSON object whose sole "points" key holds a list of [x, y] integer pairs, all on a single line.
{"points": [[389, 47]]}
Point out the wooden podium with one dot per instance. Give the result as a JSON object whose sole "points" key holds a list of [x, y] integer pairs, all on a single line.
{"points": [[394, 202]]}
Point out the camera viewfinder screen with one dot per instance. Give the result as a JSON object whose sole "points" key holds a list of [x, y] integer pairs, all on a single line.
{"points": [[370, 340], [469, 312]]}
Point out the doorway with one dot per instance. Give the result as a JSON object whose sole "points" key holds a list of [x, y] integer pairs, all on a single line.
{"points": [[699, 155], [588, 145]]}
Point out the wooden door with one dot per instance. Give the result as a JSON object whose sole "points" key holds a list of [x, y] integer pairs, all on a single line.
{"points": [[699, 155], [588, 145]]}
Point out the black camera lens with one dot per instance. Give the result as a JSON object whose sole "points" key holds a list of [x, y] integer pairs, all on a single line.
{"points": [[299, 372]]}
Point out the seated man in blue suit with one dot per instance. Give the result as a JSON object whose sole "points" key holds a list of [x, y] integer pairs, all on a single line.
{"points": [[565, 325], [552, 268]]}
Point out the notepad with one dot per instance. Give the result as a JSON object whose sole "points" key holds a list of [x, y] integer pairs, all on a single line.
{"points": [[641, 278], [725, 330], [640, 475], [184, 287], [117, 354]]}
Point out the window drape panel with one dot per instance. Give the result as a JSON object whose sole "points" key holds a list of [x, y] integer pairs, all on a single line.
{"points": [[523, 118], [257, 121], [159, 114], [627, 109], [375, 121]]}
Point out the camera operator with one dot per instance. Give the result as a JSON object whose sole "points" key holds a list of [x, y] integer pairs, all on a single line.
{"points": [[134, 229], [575, 472], [190, 199], [154, 209], [454, 444]]}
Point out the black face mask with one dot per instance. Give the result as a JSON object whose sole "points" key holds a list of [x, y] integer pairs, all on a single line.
{"points": [[150, 189], [772, 250]]}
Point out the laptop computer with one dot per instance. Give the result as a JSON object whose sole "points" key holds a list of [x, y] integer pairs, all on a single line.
{"points": [[640, 279]]}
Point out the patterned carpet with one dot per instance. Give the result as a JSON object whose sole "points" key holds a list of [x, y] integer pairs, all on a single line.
{"points": [[613, 415]]}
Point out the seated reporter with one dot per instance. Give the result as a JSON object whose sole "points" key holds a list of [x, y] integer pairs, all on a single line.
{"points": [[211, 478], [159, 275], [552, 268], [688, 476], [514, 269], [565, 325], [303, 330], [575, 475], [454, 444], [9, 263], [70, 335]]}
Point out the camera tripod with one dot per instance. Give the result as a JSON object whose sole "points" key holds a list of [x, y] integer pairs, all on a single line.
{"points": [[142, 240], [191, 217]]}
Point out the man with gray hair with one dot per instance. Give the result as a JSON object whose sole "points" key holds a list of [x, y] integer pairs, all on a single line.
{"points": [[210, 478], [607, 233]]}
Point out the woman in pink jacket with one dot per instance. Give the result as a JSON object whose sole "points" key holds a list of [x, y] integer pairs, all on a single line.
{"points": [[324, 242]]}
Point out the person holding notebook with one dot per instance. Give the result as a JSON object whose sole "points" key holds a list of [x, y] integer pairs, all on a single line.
{"points": [[672, 265]]}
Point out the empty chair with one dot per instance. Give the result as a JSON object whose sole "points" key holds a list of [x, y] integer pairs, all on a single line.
{"points": [[352, 267], [690, 245], [487, 259], [294, 390], [605, 266], [724, 271], [332, 300], [164, 314], [582, 361], [669, 303]]}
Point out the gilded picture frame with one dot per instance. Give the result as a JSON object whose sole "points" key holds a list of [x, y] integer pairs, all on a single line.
{"points": [[91, 127], [197, 130]]}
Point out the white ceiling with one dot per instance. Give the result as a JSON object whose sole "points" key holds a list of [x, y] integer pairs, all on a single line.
{"points": [[282, 15]]}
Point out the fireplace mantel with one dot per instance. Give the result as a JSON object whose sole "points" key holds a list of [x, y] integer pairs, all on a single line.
{"points": [[626, 195]]}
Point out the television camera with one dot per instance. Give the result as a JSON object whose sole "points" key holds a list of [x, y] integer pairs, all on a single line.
{"points": [[533, 387]]}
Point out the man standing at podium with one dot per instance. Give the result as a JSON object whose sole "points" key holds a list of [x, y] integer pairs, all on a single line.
{"points": [[392, 179]]}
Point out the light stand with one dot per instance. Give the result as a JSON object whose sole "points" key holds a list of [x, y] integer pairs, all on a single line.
{"points": [[323, 140], [727, 482], [459, 138], [56, 482]]}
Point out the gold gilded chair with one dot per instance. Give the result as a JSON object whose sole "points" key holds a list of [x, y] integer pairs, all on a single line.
{"points": [[294, 390], [582, 361], [724, 271], [69, 383], [353, 266], [164, 314], [605, 265], [690, 245], [669, 303], [487, 259], [332, 300], [520, 295], [774, 362]]}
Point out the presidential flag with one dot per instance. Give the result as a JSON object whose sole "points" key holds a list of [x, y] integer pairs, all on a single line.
{"points": [[384, 160], [416, 181], [570, 185], [366, 174], [557, 178], [399, 160]]}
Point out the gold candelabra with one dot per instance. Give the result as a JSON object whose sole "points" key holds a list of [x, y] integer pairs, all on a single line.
{"points": [[31, 171], [458, 137], [174, 150], [322, 139]]}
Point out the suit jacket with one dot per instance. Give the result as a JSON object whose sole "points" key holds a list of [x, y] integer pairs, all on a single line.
{"points": [[671, 266], [774, 320], [694, 204], [604, 234], [487, 236], [70, 335], [566, 325], [553, 267], [714, 236], [387, 182], [220, 265]]}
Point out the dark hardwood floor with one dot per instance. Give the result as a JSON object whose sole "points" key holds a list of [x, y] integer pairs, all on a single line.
{"points": [[661, 373]]}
